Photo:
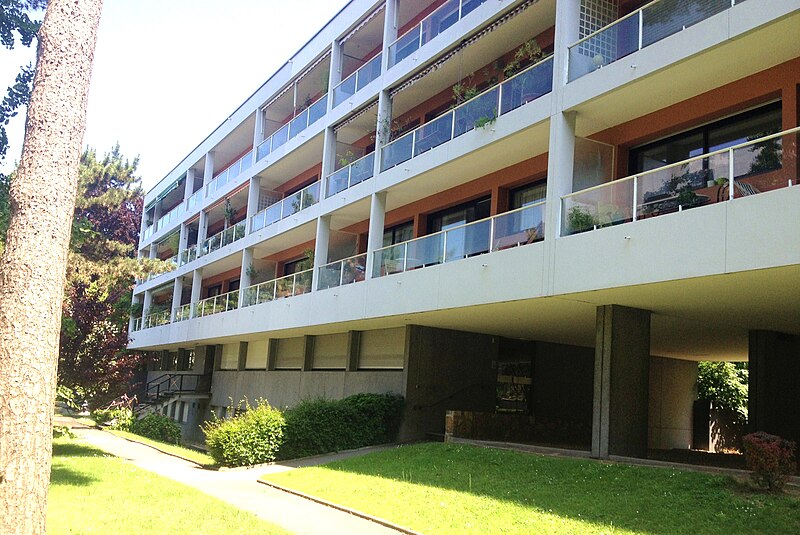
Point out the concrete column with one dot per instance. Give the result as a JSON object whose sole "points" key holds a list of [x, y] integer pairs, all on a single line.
{"points": [[258, 134], [202, 230], [321, 248], [197, 288], [328, 158], [377, 217], [383, 128], [568, 14], [136, 299], [177, 293], [774, 376], [335, 75], [253, 196], [244, 277], [188, 189], [153, 253], [621, 382], [183, 242], [148, 300], [157, 212], [208, 171], [389, 31]]}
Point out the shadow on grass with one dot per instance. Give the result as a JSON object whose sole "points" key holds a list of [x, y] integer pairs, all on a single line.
{"points": [[75, 449], [61, 475], [640, 499]]}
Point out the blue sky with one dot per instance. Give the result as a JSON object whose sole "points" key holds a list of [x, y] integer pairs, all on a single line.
{"points": [[166, 73]]}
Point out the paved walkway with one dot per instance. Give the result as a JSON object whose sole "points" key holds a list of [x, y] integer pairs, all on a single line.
{"points": [[239, 488]]}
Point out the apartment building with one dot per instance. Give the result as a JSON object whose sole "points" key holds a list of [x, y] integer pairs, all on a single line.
{"points": [[543, 211]]}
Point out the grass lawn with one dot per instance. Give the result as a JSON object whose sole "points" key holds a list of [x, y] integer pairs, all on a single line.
{"points": [[181, 451], [92, 492], [441, 488]]}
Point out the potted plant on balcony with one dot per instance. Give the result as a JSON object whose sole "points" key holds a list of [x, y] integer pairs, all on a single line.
{"points": [[579, 219], [229, 213]]}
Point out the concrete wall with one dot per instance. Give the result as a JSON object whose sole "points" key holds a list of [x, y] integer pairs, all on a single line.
{"points": [[673, 389], [446, 370], [562, 383], [774, 379]]}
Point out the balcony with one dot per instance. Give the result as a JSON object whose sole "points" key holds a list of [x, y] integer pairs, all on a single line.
{"points": [[188, 255], [183, 313], [223, 238], [746, 169], [358, 80], [641, 28], [479, 112], [193, 202], [170, 218], [290, 205], [231, 172], [155, 320], [347, 177], [435, 23], [295, 284], [218, 303], [341, 272], [504, 231], [303, 120]]}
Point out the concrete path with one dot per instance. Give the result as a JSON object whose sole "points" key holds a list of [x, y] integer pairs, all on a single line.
{"points": [[239, 488]]}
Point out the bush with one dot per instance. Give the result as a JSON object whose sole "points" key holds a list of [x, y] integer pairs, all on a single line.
{"points": [[770, 457], [119, 418], [157, 427], [322, 426], [251, 438], [725, 384]]}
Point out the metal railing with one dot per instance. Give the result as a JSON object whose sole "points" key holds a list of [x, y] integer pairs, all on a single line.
{"points": [[287, 206], [638, 29], [188, 255], [168, 385], [350, 175], [341, 272], [358, 80], [741, 170], [137, 324], [510, 229], [230, 172], [288, 286], [194, 201], [288, 131], [156, 319], [480, 111], [435, 23], [218, 303], [183, 312], [223, 238], [173, 260]]}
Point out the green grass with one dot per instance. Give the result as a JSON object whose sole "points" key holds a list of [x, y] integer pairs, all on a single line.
{"points": [[440, 488], [95, 493], [189, 454]]}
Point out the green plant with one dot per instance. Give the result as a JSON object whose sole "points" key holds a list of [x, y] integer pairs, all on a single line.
{"points": [[320, 426], [137, 309], [485, 121], [464, 90], [229, 212], [529, 51], [251, 438], [62, 431], [725, 384], [770, 457], [114, 418], [157, 427], [580, 219], [346, 158]]}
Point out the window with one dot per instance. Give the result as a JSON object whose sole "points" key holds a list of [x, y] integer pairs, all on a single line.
{"points": [[295, 266], [214, 291], [527, 195], [460, 215], [711, 137], [233, 285], [398, 234]]}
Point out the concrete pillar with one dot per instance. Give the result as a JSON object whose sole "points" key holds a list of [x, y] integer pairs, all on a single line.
{"points": [[177, 293], [321, 248], [183, 241], [258, 134], [244, 277], [208, 171], [335, 75], [148, 300], [389, 31], [377, 217], [202, 230], [188, 190], [253, 196], [621, 382], [328, 158], [383, 128], [136, 299], [197, 288], [153, 253], [774, 376], [567, 31]]}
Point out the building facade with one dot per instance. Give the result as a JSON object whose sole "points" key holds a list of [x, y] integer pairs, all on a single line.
{"points": [[543, 210]]}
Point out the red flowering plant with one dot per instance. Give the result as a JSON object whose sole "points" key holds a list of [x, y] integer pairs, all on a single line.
{"points": [[770, 457]]}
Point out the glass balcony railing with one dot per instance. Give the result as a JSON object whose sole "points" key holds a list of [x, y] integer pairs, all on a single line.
{"points": [[170, 218], [438, 21], [217, 304], [148, 232], [354, 173], [303, 120], [282, 209], [480, 111], [188, 255], [183, 312], [230, 173], [643, 27], [511, 229], [288, 286], [156, 319], [341, 272], [194, 201], [741, 170], [223, 238], [137, 325], [357, 81]]}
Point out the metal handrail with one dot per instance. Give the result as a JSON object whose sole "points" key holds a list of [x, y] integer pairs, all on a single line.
{"points": [[275, 283], [301, 192], [255, 155]]}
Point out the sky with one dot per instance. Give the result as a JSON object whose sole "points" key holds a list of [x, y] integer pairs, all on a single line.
{"points": [[167, 72]]}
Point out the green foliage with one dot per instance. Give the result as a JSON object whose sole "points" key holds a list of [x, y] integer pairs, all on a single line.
{"points": [[724, 384], [770, 457], [115, 418], [157, 427], [529, 51], [579, 220], [62, 431], [251, 438], [321, 426], [484, 121]]}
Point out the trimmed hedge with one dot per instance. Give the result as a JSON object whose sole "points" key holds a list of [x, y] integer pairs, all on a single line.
{"points": [[321, 426], [770, 457], [251, 438], [157, 427]]}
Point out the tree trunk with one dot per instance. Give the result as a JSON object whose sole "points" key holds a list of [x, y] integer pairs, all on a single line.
{"points": [[33, 264]]}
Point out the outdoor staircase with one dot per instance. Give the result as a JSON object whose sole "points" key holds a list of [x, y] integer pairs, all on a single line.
{"points": [[162, 390]]}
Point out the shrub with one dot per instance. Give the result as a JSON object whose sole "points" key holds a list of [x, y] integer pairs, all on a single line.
{"points": [[118, 418], [251, 438], [770, 457], [322, 426], [157, 427], [725, 384]]}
